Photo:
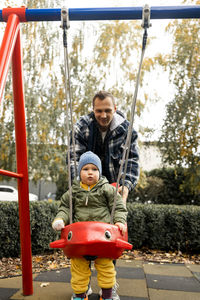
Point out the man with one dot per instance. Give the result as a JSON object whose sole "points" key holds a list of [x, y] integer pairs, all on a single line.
{"points": [[104, 132]]}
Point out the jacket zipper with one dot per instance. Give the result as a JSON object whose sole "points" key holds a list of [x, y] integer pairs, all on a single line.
{"points": [[86, 201]]}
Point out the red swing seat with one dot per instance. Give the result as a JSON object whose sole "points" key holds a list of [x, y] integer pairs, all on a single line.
{"points": [[92, 239]]}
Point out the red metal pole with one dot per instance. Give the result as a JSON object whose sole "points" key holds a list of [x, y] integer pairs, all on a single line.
{"points": [[22, 165], [10, 174], [6, 50]]}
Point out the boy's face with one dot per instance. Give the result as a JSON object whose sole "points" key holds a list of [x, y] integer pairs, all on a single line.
{"points": [[89, 174]]}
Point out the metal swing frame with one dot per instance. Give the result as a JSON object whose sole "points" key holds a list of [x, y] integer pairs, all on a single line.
{"points": [[11, 52]]}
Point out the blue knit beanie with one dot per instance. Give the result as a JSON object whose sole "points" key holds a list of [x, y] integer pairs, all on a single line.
{"points": [[89, 158]]}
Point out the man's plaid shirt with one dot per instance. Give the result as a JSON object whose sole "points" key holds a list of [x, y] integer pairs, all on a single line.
{"points": [[86, 132]]}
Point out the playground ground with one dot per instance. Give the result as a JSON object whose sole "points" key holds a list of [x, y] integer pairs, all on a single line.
{"points": [[138, 280]]}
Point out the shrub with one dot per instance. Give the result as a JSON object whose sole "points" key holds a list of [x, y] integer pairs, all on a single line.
{"points": [[163, 186], [9, 229], [41, 216], [163, 227], [61, 184]]}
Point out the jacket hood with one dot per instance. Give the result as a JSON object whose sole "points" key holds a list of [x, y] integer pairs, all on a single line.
{"points": [[117, 120], [101, 182]]}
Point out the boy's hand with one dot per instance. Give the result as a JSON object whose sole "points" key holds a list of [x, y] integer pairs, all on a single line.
{"points": [[125, 193], [122, 227], [58, 224]]}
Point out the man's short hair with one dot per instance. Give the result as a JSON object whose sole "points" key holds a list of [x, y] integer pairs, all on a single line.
{"points": [[102, 95]]}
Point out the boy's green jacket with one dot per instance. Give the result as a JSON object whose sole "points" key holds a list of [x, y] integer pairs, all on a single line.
{"points": [[93, 205]]}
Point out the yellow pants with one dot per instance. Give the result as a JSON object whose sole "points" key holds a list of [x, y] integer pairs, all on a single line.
{"points": [[80, 273]]}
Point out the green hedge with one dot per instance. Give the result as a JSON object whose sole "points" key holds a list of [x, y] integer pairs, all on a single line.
{"points": [[164, 186], [9, 230], [163, 227], [41, 216]]}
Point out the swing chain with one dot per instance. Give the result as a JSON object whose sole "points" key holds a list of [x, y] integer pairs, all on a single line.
{"points": [[146, 17], [65, 24], [65, 18], [145, 23], [124, 162]]}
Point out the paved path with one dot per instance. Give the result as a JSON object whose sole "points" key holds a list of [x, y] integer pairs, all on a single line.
{"points": [[137, 280]]}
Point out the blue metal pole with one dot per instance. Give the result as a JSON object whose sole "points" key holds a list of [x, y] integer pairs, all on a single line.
{"points": [[112, 13]]}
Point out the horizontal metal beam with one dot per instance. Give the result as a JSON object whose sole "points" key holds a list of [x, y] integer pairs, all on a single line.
{"points": [[112, 13]]}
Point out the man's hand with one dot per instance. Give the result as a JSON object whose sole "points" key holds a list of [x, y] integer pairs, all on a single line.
{"points": [[125, 193], [122, 227]]}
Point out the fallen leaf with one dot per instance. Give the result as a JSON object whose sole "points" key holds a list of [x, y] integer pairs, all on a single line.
{"points": [[44, 284]]}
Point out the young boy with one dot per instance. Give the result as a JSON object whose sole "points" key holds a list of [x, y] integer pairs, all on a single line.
{"points": [[92, 198]]}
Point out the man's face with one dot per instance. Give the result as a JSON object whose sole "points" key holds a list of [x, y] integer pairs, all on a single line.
{"points": [[104, 111]]}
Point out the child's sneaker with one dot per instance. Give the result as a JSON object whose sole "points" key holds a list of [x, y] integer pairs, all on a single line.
{"points": [[115, 296], [89, 291], [108, 299]]}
